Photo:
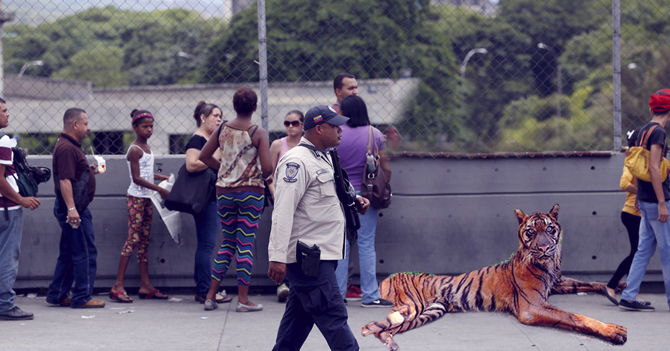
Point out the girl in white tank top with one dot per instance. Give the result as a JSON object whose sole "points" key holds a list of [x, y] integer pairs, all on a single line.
{"points": [[140, 209]]}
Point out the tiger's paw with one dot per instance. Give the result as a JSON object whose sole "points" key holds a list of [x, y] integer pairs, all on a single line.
{"points": [[387, 340], [617, 334], [370, 328]]}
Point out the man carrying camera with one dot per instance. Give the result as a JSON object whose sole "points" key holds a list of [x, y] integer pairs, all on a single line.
{"points": [[11, 224], [307, 237]]}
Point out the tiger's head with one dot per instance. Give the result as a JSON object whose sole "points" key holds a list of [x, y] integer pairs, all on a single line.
{"points": [[540, 235]]}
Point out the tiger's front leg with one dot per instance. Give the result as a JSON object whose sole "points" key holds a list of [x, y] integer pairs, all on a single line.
{"points": [[401, 320], [571, 286], [548, 315], [383, 329]]}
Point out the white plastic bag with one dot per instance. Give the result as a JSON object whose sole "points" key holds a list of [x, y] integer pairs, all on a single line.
{"points": [[172, 219]]}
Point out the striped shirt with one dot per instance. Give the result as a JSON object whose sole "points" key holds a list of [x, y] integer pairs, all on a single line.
{"points": [[7, 159]]}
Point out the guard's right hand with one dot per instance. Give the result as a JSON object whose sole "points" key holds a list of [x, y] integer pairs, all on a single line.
{"points": [[30, 202], [277, 271]]}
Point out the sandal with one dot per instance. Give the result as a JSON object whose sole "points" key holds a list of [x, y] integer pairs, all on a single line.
{"points": [[152, 295], [116, 296], [246, 308]]}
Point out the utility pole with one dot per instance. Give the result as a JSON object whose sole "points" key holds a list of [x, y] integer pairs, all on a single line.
{"points": [[4, 17], [263, 64]]}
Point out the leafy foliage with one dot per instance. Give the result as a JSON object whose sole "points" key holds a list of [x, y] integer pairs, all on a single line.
{"points": [[508, 99], [586, 61], [316, 40], [141, 47]]}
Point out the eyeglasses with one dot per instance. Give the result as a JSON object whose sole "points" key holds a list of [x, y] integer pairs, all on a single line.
{"points": [[291, 123]]}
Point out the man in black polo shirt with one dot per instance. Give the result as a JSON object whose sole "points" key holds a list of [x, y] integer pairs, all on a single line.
{"points": [[75, 187]]}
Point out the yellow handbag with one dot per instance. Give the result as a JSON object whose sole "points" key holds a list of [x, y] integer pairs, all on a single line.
{"points": [[637, 160]]}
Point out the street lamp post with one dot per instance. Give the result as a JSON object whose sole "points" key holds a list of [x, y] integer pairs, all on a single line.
{"points": [[28, 64], [468, 56], [558, 78]]}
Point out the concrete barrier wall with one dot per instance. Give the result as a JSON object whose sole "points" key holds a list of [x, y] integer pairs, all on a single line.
{"points": [[448, 216]]}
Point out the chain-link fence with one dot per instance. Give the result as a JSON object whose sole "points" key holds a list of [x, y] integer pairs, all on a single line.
{"points": [[467, 76]]}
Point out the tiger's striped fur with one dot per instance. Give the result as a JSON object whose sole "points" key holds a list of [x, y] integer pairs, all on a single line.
{"points": [[519, 286]]}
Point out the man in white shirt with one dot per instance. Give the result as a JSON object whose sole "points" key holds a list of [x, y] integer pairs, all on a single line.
{"points": [[11, 224]]}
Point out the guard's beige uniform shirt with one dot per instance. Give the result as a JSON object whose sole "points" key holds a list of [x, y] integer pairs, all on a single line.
{"points": [[306, 206]]}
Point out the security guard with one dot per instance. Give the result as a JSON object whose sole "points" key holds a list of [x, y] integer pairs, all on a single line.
{"points": [[307, 209]]}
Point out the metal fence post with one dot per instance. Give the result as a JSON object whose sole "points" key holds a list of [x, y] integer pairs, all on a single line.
{"points": [[263, 63], [616, 72]]}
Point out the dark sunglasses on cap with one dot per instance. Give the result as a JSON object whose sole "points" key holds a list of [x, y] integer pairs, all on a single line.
{"points": [[291, 123]]}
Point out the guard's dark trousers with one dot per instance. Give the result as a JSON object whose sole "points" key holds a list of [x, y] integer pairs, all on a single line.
{"points": [[315, 301]]}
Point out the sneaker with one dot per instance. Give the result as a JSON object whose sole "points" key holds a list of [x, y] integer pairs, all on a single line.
{"points": [[15, 314], [350, 295], [248, 308], [355, 289], [635, 306], [210, 305], [378, 303], [282, 293]]}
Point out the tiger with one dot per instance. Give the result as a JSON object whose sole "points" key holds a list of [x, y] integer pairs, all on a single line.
{"points": [[519, 286]]}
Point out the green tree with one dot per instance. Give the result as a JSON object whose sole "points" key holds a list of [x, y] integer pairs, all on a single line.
{"points": [[493, 79], [315, 40], [553, 23], [149, 43], [101, 65]]}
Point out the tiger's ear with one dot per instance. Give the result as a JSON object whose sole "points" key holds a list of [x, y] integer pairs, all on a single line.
{"points": [[520, 215], [554, 212]]}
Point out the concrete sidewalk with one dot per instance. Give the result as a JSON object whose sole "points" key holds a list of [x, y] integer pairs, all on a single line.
{"points": [[182, 324]]}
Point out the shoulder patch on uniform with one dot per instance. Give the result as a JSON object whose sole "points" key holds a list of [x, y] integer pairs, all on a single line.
{"points": [[291, 172]]}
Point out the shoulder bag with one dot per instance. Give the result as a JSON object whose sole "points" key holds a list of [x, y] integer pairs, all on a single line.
{"points": [[638, 159], [191, 191], [375, 186]]}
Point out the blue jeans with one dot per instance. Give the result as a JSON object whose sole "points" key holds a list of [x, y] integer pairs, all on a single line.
{"points": [[10, 242], [367, 258], [77, 260], [207, 227], [652, 233]]}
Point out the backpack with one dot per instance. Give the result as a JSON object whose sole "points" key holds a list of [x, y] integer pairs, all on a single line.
{"points": [[375, 186], [27, 177]]}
